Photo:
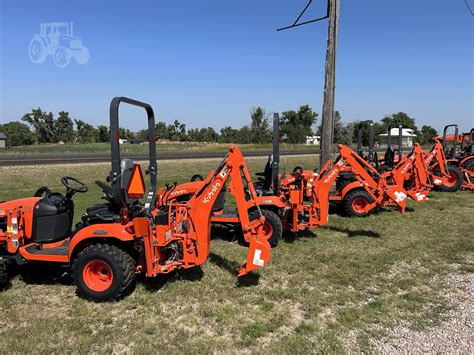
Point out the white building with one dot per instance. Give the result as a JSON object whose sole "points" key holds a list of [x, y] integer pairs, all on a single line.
{"points": [[408, 136], [314, 140]]}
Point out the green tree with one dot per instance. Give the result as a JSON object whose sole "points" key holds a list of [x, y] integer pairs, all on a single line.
{"points": [[259, 126], [86, 133], [364, 127], [343, 134], [142, 134], [229, 135], [64, 127], [427, 133], [177, 131], [400, 118], [103, 133], [161, 131], [203, 135], [297, 124], [43, 125], [244, 135], [17, 134]]}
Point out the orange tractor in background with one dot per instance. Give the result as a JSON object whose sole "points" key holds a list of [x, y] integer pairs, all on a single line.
{"points": [[407, 171], [459, 152], [121, 238], [299, 200]]}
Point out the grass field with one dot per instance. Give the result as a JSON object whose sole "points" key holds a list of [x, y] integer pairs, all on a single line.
{"points": [[333, 289], [165, 147]]}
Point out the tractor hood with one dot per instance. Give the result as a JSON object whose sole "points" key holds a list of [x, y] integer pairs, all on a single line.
{"points": [[26, 204]]}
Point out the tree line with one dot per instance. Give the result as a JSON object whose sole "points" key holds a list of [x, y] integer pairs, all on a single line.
{"points": [[295, 125]]}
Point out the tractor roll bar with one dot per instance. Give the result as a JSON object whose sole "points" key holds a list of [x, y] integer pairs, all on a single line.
{"points": [[371, 138], [115, 145], [452, 153], [276, 152], [400, 139]]}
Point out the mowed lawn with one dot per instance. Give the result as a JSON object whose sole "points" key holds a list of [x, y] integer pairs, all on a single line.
{"points": [[162, 147], [336, 288]]}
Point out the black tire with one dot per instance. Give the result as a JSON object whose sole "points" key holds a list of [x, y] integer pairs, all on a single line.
{"points": [[469, 165], [120, 264], [455, 184], [61, 57], [197, 177], [4, 278], [37, 51], [350, 203], [274, 222]]}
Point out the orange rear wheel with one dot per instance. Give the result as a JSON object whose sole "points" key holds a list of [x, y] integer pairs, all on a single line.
{"points": [[98, 275], [359, 204]]}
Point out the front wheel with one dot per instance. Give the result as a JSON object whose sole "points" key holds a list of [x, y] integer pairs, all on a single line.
{"points": [[355, 203], [272, 228], [62, 57], [454, 181], [103, 272], [469, 166]]}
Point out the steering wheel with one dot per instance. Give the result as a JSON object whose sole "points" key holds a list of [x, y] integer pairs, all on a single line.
{"points": [[42, 191], [70, 191], [197, 177]]}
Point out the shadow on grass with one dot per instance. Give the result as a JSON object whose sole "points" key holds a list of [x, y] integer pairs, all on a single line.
{"points": [[355, 233], [228, 233], [291, 237], [41, 274], [155, 284], [251, 279]]}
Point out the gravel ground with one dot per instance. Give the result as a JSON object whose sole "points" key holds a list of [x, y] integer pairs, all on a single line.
{"points": [[454, 335]]}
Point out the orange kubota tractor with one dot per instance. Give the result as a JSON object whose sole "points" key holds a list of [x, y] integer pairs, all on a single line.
{"points": [[409, 171], [459, 157], [121, 238], [299, 200], [442, 176]]}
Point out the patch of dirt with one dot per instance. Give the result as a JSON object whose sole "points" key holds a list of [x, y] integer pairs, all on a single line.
{"points": [[454, 335]]}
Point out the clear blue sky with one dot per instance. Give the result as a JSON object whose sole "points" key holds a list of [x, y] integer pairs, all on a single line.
{"points": [[208, 62]]}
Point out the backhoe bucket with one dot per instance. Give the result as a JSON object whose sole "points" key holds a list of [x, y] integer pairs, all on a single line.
{"points": [[418, 196], [397, 195], [258, 256]]}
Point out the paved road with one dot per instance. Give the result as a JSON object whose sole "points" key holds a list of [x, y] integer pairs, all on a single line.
{"points": [[6, 160]]}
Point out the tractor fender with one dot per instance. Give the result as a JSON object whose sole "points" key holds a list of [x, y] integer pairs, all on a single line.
{"points": [[452, 162], [355, 185], [273, 201], [99, 232], [465, 160]]}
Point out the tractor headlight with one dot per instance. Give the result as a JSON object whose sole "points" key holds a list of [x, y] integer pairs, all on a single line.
{"points": [[76, 44]]}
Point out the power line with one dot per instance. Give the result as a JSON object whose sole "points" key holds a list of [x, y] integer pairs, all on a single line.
{"points": [[296, 24], [469, 8]]}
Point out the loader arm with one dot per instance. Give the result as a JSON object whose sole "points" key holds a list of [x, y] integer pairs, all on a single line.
{"points": [[436, 158], [349, 160], [201, 203], [412, 170]]}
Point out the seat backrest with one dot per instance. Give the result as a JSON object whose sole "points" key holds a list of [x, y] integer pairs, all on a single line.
{"points": [[120, 194], [267, 180], [220, 201], [389, 156]]}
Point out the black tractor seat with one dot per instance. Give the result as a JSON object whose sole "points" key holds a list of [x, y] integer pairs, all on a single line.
{"points": [[100, 213]]}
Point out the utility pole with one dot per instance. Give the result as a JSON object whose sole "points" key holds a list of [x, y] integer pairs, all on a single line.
{"points": [[327, 134], [327, 130]]}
